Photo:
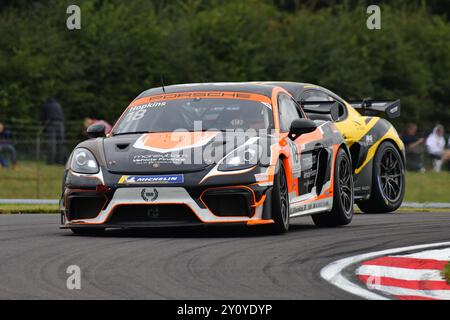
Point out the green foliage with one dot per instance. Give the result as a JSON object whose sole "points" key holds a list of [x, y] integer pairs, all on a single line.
{"points": [[446, 273], [124, 47]]}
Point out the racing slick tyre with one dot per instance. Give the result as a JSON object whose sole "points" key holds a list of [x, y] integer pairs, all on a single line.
{"points": [[342, 211], [388, 182], [280, 202], [88, 231]]}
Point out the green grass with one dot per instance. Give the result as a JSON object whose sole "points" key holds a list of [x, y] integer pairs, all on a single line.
{"points": [[40, 181], [28, 208], [428, 187], [31, 180], [446, 272]]}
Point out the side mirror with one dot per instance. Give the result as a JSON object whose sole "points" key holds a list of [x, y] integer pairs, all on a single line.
{"points": [[96, 130], [301, 126]]}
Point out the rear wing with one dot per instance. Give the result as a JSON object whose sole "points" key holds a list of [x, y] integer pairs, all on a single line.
{"points": [[369, 107]]}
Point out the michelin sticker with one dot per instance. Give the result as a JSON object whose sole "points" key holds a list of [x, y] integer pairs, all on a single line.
{"points": [[166, 179]]}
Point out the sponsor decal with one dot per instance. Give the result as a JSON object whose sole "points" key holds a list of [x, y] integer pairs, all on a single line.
{"points": [[261, 177], [148, 106], [206, 94], [164, 179], [369, 140], [158, 159], [309, 206], [174, 146], [295, 159], [149, 196]]}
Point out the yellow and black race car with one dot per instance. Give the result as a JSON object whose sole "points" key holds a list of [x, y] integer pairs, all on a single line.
{"points": [[378, 154]]}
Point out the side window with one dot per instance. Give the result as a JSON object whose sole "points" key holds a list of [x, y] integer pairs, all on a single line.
{"points": [[315, 95], [288, 111]]}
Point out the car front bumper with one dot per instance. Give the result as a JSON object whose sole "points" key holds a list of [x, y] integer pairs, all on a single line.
{"points": [[156, 206]]}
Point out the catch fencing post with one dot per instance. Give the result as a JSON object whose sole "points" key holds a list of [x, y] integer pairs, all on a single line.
{"points": [[38, 156]]}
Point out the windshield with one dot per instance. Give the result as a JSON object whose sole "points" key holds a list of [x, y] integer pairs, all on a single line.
{"points": [[195, 114]]}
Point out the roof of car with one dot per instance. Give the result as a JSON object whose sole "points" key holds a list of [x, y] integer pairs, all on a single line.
{"points": [[256, 88], [294, 88]]}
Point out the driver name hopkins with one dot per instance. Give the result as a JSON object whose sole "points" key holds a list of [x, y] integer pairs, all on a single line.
{"points": [[149, 195]]}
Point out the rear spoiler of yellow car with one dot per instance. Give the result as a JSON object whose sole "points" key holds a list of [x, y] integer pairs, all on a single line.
{"points": [[369, 107]]}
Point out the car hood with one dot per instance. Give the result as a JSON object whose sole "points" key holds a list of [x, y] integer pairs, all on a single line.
{"points": [[159, 152]]}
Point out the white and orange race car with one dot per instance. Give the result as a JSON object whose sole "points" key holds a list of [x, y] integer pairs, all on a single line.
{"points": [[211, 154]]}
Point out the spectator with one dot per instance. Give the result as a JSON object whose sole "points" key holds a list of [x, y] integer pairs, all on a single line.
{"points": [[6, 145], [90, 121], [52, 117], [436, 147], [415, 147]]}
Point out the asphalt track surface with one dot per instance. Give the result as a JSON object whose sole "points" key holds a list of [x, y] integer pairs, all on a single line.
{"points": [[196, 263]]}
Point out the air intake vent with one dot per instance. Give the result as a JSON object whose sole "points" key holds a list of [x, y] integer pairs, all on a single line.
{"points": [[85, 205], [154, 213], [229, 202]]}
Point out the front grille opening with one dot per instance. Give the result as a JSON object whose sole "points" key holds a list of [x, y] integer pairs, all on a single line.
{"points": [[85, 206], [153, 213], [229, 202]]}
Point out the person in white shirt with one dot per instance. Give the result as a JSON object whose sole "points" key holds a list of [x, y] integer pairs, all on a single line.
{"points": [[436, 147]]}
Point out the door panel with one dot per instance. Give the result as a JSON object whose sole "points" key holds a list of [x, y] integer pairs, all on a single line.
{"points": [[309, 146]]}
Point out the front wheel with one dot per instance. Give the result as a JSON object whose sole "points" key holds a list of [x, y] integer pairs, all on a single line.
{"points": [[280, 202], [342, 211], [388, 181]]}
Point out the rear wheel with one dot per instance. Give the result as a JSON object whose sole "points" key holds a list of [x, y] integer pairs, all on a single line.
{"points": [[342, 211], [88, 231], [388, 182], [280, 202]]}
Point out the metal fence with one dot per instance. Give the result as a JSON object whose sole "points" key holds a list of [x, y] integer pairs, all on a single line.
{"points": [[29, 138], [34, 177]]}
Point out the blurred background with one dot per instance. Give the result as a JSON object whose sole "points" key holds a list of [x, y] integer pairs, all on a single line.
{"points": [[52, 77]]}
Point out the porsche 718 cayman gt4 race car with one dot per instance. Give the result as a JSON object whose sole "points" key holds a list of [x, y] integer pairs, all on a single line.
{"points": [[209, 154], [377, 152]]}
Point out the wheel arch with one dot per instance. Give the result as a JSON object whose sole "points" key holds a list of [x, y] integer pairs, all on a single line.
{"points": [[375, 203], [347, 151], [400, 151], [283, 158], [371, 163], [287, 168]]}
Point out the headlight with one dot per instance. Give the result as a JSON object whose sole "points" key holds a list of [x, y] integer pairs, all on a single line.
{"points": [[241, 158], [83, 161]]}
